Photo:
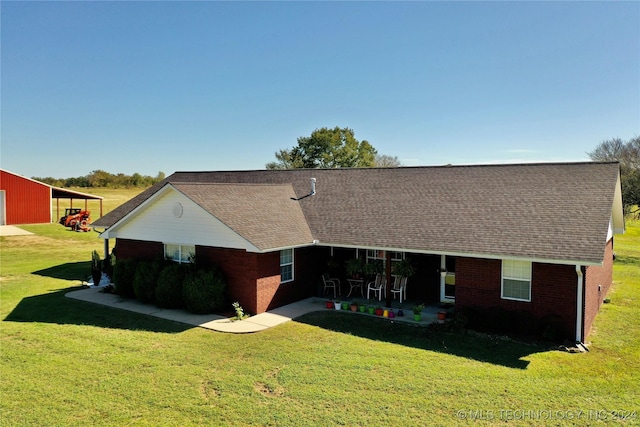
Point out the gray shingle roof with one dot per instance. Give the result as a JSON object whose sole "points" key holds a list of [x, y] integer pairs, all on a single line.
{"points": [[254, 211], [554, 211]]}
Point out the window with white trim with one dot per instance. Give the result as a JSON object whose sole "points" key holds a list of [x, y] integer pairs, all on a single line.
{"points": [[179, 253], [286, 265], [516, 280]]}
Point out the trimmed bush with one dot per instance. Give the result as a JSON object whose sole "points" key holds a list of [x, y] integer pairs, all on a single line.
{"points": [[169, 288], [124, 271], [204, 290], [145, 281]]}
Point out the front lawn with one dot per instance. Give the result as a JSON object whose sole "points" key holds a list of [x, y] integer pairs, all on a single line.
{"points": [[66, 362]]}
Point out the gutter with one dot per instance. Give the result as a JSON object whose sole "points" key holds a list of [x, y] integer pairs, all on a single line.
{"points": [[579, 304]]}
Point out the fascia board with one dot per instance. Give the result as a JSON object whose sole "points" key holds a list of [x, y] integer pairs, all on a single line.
{"points": [[466, 254]]}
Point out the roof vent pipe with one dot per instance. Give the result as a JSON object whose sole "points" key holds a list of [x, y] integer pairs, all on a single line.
{"points": [[313, 191]]}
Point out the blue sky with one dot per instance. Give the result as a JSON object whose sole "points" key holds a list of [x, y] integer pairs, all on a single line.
{"points": [[165, 86]]}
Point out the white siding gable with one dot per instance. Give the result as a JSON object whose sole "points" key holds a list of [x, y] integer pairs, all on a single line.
{"points": [[171, 217]]}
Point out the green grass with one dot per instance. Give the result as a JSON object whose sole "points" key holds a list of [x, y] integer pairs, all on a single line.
{"points": [[69, 363]]}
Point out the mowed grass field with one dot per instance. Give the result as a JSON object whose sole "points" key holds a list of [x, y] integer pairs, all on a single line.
{"points": [[69, 363]]}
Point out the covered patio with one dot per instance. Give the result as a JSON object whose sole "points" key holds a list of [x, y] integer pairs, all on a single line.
{"points": [[390, 278]]}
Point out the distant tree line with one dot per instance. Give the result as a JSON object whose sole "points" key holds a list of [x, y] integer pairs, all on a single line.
{"points": [[100, 178]]}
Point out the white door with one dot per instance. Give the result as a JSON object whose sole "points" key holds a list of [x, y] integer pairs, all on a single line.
{"points": [[3, 213]]}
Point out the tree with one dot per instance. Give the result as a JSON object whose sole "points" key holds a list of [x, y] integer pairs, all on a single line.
{"points": [[628, 154], [327, 148], [386, 161]]}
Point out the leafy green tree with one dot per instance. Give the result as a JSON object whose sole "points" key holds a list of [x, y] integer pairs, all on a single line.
{"points": [[327, 148], [628, 154]]}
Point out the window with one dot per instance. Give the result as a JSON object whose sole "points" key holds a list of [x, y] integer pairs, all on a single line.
{"points": [[516, 280], [286, 265], [179, 253]]}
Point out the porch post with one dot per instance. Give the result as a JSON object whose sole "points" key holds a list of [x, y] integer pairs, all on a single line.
{"points": [[443, 265], [387, 272], [106, 248]]}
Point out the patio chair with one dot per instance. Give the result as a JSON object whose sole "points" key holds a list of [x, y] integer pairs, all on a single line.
{"points": [[399, 287], [377, 286], [331, 282]]}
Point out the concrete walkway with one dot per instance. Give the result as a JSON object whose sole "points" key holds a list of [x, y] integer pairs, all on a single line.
{"points": [[256, 323], [10, 230]]}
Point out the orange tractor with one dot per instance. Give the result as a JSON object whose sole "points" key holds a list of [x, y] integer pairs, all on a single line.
{"points": [[76, 219]]}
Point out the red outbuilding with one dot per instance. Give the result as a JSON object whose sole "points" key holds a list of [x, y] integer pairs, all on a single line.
{"points": [[27, 201]]}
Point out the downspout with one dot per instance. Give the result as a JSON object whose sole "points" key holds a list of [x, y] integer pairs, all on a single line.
{"points": [[579, 304]]}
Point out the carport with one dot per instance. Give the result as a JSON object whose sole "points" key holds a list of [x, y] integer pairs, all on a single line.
{"points": [[63, 193]]}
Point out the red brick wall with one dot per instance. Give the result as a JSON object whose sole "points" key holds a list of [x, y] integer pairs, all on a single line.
{"points": [[253, 279], [553, 291], [138, 249], [596, 286], [240, 269]]}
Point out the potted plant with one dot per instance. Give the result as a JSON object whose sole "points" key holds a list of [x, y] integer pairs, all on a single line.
{"points": [[362, 308], [354, 306], [417, 312], [371, 309], [372, 268], [442, 315], [354, 267], [378, 311], [345, 306], [404, 268], [329, 304], [443, 272], [96, 268], [338, 305]]}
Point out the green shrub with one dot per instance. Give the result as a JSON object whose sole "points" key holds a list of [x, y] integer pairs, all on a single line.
{"points": [[204, 291], [169, 287], [123, 273], [145, 280]]}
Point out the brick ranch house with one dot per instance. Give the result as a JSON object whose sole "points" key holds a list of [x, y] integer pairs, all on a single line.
{"points": [[531, 239]]}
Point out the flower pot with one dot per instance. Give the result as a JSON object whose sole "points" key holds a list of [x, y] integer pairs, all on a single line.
{"points": [[371, 310], [329, 304], [385, 313], [400, 313], [417, 317], [345, 306], [338, 305], [362, 309], [354, 307], [378, 312], [391, 314], [442, 315]]}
